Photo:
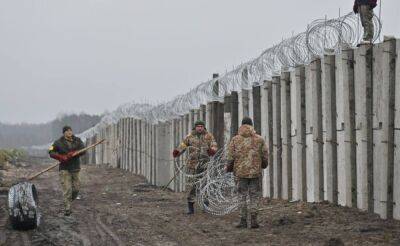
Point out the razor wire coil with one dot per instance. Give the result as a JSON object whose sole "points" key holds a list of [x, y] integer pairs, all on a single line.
{"points": [[322, 36]]}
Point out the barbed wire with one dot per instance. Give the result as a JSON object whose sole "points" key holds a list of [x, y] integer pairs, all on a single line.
{"points": [[322, 36]]}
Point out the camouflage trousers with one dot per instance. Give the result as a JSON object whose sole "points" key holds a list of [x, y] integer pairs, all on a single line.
{"points": [[248, 188], [70, 185], [366, 15], [191, 183]]}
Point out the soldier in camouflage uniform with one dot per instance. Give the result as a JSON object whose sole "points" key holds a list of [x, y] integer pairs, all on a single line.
{"points": [[201, 145], [365, 9], [247, 155], [64, 150]]}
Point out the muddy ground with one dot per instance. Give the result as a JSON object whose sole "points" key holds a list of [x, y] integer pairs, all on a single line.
{"points": [[119, 208]]}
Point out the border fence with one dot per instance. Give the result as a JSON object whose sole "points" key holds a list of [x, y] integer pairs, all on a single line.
{"points": [[332, 127]]}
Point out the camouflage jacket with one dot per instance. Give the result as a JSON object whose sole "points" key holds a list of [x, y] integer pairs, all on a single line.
{"points": [[247, 151], [198, 146]]}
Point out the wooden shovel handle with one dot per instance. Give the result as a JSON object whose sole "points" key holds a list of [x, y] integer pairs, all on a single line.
{"points": [[56, 164], [43, 171]]}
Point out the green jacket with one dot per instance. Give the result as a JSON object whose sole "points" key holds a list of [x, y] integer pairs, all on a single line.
{"points": [[61, 146]]}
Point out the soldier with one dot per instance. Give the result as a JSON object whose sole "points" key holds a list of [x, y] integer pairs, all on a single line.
{"points": [[247, 155], [64, 150], [201, 145], [365, 9]]}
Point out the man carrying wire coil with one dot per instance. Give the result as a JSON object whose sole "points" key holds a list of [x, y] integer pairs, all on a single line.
{"points": [[201, 145]]}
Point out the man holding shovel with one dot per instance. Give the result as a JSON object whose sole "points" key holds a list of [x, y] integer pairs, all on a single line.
{"points": [[65, 150]]}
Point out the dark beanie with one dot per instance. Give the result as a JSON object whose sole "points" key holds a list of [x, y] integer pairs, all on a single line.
{"points": [[66, 128], [247, 121], [199, 123]]}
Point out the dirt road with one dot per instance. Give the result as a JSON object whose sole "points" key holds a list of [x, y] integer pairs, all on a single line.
{"points": [[119, 208]]}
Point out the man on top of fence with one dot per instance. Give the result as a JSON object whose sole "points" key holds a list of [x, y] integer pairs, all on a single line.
{"points": [[247, 155], [65, 150], [365, 9], [201, 145]]}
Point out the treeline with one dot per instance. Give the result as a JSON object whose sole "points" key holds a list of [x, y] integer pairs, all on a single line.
{"points": [[24, 134]]}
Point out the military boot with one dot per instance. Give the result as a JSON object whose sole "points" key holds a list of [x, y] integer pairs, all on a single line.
{"points": [[242, 223], [190, 208], [253, 223]]}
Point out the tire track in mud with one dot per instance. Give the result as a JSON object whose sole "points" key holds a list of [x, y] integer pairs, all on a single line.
{"points": [[39, 239], [98, 231], [84, 239], [161, 223], [59, 230], [101, 233], [139, 228], [149, 226], [116, 239], [173, 232], [157, 231]]}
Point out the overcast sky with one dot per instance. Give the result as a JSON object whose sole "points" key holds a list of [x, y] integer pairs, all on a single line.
{"points": [[93, 55]]}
